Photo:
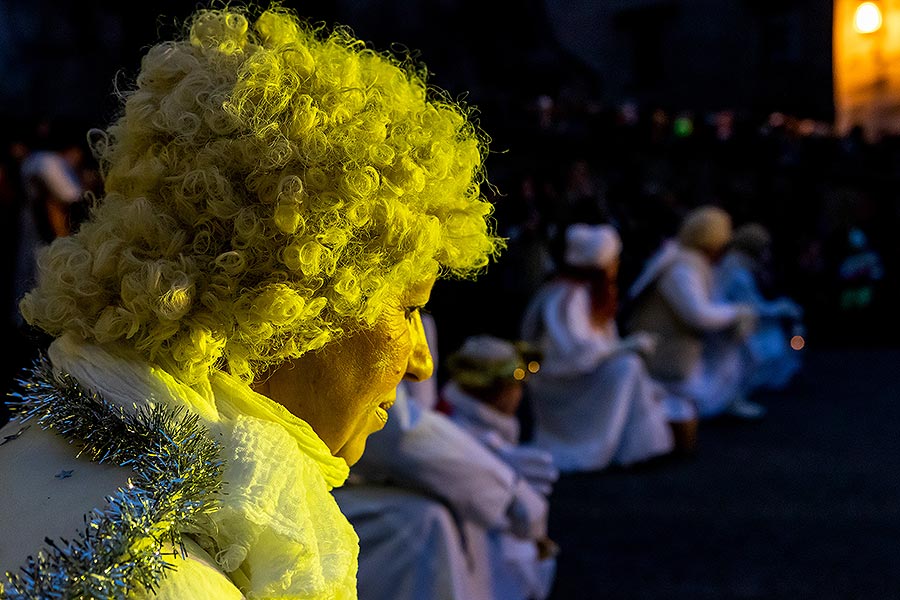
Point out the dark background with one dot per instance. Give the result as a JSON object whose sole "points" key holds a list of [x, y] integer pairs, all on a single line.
{"points": [[697, 55], [677, 66]]}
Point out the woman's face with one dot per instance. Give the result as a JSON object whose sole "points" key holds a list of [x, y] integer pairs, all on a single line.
{"points": [[508, 398], [344, 390]]}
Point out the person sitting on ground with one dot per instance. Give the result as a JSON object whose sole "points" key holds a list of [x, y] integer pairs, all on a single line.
{"points": [[594, 403], [673, 298], [233, 319], [770, 361], [482, 396]]}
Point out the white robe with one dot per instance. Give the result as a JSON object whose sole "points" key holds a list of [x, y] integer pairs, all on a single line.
{"points": [[438, 470], [684, 278], [277, 530], [594, 403], [43, 173], [770, 361], [411, 545], [515, 559]]}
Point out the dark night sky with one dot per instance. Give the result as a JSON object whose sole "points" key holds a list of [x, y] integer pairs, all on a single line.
{"points": [[66, 59]]}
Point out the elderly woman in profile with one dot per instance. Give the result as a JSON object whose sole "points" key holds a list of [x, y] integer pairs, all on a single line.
{"points": [[435, 508], [234, 318]]}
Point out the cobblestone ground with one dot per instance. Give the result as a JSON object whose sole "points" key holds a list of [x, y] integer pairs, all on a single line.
{"points": [[804, 504]]}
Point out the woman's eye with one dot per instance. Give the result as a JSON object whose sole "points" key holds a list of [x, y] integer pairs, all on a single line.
{"points": [[411, 311]]}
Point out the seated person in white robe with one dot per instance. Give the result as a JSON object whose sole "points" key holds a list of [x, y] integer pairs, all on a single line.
{"points": [[593, 401], [483, 397], [673, 298], [427, 500], [770, 360]]}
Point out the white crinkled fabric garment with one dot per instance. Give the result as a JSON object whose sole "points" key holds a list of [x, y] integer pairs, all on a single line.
{"points": [[278, 532]]}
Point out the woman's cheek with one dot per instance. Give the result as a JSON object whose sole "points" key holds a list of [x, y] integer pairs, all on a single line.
{"points": [[393, 351], [390, 359]]}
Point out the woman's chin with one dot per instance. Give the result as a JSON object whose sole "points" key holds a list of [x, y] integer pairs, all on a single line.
{"points": [[373, 422], [353, 450]]}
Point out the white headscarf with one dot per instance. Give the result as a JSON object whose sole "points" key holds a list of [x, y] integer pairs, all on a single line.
{"points": [[592, 245]]}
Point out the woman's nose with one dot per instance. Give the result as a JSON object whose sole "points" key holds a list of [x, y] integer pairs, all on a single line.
{"points": [[420, 365]]}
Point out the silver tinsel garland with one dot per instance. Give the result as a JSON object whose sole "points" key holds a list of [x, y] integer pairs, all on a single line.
{"points": [[122, 548]]}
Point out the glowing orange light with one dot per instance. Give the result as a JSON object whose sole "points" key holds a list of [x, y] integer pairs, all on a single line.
{"points": [[519, 374], [534, 366], [867, 18], [797, 342]]}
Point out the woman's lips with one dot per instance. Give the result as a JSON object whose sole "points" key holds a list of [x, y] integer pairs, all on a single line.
{"points": [[382, 409]]}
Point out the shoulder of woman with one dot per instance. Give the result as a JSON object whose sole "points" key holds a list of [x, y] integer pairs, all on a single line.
{"points": [[196, 576], [46, 491]]}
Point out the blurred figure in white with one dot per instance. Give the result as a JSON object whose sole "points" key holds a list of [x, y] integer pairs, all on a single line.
{"points": [[52, 186], [593, 401], [426, 500], [483, 395], [771, 361], [700, 338]]}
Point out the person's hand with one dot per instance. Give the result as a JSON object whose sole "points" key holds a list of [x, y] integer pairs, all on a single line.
{"points": [[789, 309], [641, 342], [746, 321], [547, 548], [533, 464], [527, 512]]}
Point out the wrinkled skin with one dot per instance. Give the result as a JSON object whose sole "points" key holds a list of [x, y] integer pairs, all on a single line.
{"points": [[344, 390]]}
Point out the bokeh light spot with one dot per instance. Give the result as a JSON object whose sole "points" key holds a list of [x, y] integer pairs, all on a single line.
{"points": [[867, 18]]}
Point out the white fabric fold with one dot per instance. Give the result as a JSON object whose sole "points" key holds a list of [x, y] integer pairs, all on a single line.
{"points": [[559, 319], [479, 417], [278, 531]]}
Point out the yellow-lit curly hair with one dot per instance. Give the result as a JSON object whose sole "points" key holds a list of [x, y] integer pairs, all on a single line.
{"points": [[269, 186]]}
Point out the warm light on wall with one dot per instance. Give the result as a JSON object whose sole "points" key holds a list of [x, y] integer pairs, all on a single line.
{"points": [[867, 18], [866, 61]]}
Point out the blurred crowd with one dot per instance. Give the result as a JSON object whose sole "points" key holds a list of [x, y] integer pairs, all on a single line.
{"points": [[48, 179], [663, 271], [452, 497], [662, 268], [828, 200]]}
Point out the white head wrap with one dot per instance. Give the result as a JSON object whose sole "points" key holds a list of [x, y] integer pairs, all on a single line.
{"points": [[484, 359], [592, 245]]}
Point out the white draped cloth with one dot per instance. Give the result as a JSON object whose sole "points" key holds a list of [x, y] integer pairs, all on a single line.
{"points": [[526, 574], [770, 361], [44, 174], [593, 401], [278, 532], [412, 546], [683, 278], [419, 475]]}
